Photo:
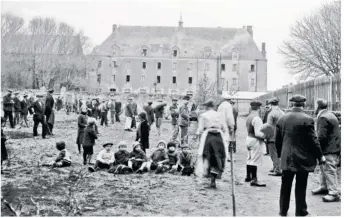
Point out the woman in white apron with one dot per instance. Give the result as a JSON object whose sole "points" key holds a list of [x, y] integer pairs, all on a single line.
{"points": [[212, 150]]}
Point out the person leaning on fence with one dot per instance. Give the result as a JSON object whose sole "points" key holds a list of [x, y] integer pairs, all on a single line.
{"points": [[105, 159], [89, 140], [327, 128], [142, 134]]}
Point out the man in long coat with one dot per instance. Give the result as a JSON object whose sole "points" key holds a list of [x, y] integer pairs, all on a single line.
{"points": [[299, 150], [174, 114], [8, 108], [129, 115], [327, 127], [17, 108], [38, 117], [49, 106], [184, 120], [24, 104], [150, 112]]}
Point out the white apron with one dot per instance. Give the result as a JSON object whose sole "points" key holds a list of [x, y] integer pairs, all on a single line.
{"points": [[254, 151], [128, 121]]}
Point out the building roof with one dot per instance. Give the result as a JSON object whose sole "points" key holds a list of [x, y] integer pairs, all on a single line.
{"points": [[191, 41], [241, 95]]}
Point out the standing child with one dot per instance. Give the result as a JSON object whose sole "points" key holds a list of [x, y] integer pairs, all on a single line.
{"points": [[64, 158], [90, 137], [172, 156], [138, 159], [142, 134], [105, 159], [159, 159], [82, 123], [186, 162], [121, 160]]}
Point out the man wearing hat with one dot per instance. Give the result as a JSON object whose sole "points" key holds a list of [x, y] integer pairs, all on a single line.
{"points": [[159, 113], [118, 109], [49, 106], [129, 115], [104, 108], [184, 120], [226, 110], [38, 116], [150, 112], [24, 110], [328, 132], [273, 116], [254, 142], [299, 149], [174, 115], [8, 108], [134, 109], [17, 108]]}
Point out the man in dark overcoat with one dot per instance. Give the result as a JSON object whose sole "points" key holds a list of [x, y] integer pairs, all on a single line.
{"points": [[8, 108], [299, 149], [24, 104], [17, 108], [150, 112], [49, 106], [38, 117]]}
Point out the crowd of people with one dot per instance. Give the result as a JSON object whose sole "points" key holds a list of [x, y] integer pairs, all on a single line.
{"points": [[294, 141]]}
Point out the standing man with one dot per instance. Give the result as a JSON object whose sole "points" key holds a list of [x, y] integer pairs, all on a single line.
{"points": [[184, 120], [226, 110], [17, 108], [174, 115], [134, 109], [49, 105], [129, 115], [112, 110], [8, 108], [38, 116], [272, 119], [24, 104], [254, 143], [159, 114], [150, 112], [118, 109], [264, 115], [235, 115], [104, 112], [327, 127], [299, 149]]}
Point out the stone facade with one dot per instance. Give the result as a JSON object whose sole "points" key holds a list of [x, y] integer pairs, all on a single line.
{"points": [[169, 60]]}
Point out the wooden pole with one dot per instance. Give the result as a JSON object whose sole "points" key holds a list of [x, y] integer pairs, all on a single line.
{"points": [[232, 179]]}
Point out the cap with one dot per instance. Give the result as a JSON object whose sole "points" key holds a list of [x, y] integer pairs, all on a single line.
{"points": [[108, 144], [174, 99], [122, 144], [298, 98], [273, 101], [256, 103], [135, 144], [60, 145], [161, 142], [209, 103], [51, 90], [25, 95], [186, 97], [322, 103], [171, 144]]}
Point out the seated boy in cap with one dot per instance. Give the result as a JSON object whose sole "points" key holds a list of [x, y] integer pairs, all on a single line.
{"points": [[105, 158], [159, 159], [172, 156], [138, 159], [63, 159], [121, 160], [186, 161]]}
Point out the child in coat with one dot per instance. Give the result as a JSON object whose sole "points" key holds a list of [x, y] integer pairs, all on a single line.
{"points": [[64, 158], [142, 134], [90, 136], [159, 159], [121, 160], [138, 159], [173, 157], [186, 162], [105, 159]]}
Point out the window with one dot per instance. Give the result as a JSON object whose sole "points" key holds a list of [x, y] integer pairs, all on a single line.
{"points": [[99, 64], [252, 81], [174, 80], [114, 64], [128, 78], [143, 77], [223, 67], [234, 68], [234, 55], [234, 81], [99, 78], [143, 65], [174, 67], [158, 79], [114, 78], [190, 66], [144, 52], [252, 68], [190, 80], [206, 66], [159, 65], [175, 53]]}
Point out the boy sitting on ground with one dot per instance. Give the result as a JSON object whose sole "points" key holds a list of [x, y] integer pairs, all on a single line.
{"points": [[172, 156], [138, 159], [159, 159], [63, 159], [186, 161], [105, 159], [121, 160]]}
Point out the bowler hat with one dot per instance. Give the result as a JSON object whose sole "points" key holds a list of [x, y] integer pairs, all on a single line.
{"points": [[256, 103], [298, 98], [209, 103], [108, 144]]}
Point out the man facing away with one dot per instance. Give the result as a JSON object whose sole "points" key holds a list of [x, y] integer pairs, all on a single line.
{"points": [[49, 106], [174, 115], [8, 108], [299, 149], [327, 128], [38, 116], [184, 120]]}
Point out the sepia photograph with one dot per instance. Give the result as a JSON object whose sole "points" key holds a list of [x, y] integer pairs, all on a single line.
{"points": [[170, 108]]}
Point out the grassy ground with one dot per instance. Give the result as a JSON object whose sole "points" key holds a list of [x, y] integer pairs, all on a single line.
{"points": [[73, 191]]}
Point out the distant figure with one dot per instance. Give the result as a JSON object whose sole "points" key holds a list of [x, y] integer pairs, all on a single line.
{"points": [[134, 110], [150, 113], [129, 115], [8, 108], [82, 123], [175, 115], [118, 109], [38, 117], [184, 120], [49, 106], [143, 129], [17, 108], [24, 104]]}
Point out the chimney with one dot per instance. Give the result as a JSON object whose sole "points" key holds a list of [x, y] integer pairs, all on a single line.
{"points": [[263, 50], [180, 23], [249, 30], [114, 27]]}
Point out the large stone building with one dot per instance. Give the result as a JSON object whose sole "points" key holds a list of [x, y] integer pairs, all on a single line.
{"points": [[171, 60]]}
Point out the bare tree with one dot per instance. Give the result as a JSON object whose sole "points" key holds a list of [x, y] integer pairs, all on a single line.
{"points": [[10, 24], [206, 90], [314, 46]]}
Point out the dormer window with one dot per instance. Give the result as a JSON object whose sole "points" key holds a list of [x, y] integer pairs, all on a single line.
{"points": [[114, 64], [99, 64], [143, 65], [175, 53], [144, 52]]}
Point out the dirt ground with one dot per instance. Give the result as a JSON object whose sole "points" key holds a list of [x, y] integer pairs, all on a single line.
{"points": [[73, 191]]}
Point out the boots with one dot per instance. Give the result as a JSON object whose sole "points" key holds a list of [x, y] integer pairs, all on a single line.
{"points": [[248, 173], [255, 182]]}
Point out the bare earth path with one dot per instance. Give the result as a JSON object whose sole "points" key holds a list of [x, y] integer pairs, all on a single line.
{"points": [[73, 191]]}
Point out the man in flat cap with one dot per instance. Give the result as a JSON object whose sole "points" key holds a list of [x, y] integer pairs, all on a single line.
{"points": [[49, 106], [327, 128], [299, 149], [24, 110], [129, 115], [273, 116], [17, 108], [38, 116], [150, 112], [254, 142], [8, 108], [174, 114], [184, 120]]}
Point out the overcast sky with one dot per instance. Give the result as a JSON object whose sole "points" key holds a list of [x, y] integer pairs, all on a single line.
{"points": [[271, 19]]}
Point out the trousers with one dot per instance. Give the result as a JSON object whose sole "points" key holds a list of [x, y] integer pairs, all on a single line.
{"points": [[175, 131], [184, 134], [9, 115], [328, 176], [274, 157], [104, 118], [112, 115]]}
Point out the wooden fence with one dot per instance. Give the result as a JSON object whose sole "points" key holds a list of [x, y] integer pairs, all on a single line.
{"points": [[324, 87]]}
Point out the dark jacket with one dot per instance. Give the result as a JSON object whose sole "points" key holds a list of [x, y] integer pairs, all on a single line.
{"points": [[90, 137], [173, 157], [235, 115], [8, 103], [122, 157], [129, 111], [159, 110], [174, 114], [138, 155], [328, 132], [82, 123], [150, 113], [134, 108], [17, 107], [296, 142], [24, 104], [118, 106], [143, 134], [266, 114], [49, 104], [38, 110], [93, 111]]}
